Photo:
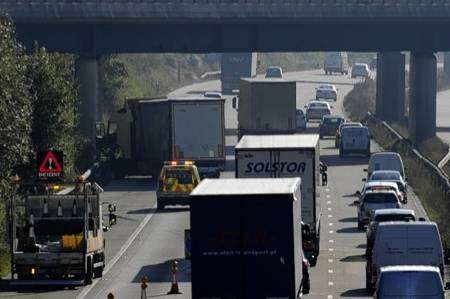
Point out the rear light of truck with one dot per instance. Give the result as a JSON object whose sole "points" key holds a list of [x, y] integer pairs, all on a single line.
{"points": [[306, 263], [308, 246]]}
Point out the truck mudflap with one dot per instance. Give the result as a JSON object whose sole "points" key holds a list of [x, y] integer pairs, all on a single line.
{"points": [[47, 282]]}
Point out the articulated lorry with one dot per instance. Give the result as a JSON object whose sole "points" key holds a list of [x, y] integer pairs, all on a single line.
{"points": [[235, 66], [246, 238], [279, 156], [266, 106], [56, 239], [184, 128]]}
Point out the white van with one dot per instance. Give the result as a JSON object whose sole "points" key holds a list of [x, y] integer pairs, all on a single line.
{"points": [[336, 62], [410, 282], [404, 243], [354, 140], [385, 161]]}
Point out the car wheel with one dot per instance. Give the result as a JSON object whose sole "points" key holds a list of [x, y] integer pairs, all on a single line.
{"points": [[360, 225], [159, 205]]}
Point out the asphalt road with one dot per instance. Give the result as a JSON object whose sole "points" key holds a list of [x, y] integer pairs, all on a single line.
{"points": [[339, 272]]}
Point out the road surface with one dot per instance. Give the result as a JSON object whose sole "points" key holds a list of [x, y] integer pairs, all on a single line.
{"points": [[339, 272]]}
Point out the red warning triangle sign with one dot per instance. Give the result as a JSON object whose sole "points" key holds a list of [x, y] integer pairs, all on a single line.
{"points": [[50, 164]]}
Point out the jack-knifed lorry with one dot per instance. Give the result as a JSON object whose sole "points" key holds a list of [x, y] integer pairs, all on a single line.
{"points": [[179, 128], [234, 66], [287, 156], [266, 106], [246, 238], [56, 239]]}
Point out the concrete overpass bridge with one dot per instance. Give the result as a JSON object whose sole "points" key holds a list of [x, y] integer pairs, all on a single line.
{"points": [[93, 28]]}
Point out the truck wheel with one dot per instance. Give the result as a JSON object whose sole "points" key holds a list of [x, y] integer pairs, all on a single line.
{"points": [[369, 287], [89, 272], [159, 205]]}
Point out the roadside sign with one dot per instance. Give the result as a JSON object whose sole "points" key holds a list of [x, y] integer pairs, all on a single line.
{"points": [[187, 244], [50, 165]]}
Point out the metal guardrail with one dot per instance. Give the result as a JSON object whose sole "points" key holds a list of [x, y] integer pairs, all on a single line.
{"points": [[444, 160]]}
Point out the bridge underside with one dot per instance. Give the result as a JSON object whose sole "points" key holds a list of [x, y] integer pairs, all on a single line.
{"points": [[103, 38]]}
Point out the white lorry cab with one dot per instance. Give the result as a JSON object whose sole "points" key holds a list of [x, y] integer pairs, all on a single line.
{"points": [[385, 161], [403, 244], [410, 282]]}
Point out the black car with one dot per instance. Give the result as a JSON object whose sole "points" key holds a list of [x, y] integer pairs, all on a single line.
{"points": [[329, 125]]}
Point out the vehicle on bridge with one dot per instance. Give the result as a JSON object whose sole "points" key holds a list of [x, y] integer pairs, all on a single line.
{"points": [[373, 200], [354, 140], [56, 239], [327, 92], [336, 62], [329, 125], [360, 70], [280, 156], [266, 106], [235, 66], [274, 72], [176, 181], [404, 244], [251, 246]]}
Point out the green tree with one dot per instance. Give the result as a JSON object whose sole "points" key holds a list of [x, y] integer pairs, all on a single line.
{"points": [[15, 126], [55, 104]]}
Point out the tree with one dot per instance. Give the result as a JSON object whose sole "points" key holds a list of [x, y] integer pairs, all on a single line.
{"points": [[55, 104]]}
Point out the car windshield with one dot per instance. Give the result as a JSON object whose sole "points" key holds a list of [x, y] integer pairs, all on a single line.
{"points": [[325, 87], [413, 284], [273, 72], [354, 131], [183, 176], [385, 176], [331, 121], [359, 67], [316, 105], [380, 198]]}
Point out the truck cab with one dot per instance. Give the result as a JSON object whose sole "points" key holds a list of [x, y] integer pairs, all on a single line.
{"points": [[175, 183]]}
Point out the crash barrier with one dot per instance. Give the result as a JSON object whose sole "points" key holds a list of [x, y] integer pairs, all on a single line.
{"points": [[428, 180], [210, 75]]}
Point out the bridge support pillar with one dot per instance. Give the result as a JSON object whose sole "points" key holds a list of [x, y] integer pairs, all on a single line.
{"points": [[87, 78], [422, 103], [390, 101]]}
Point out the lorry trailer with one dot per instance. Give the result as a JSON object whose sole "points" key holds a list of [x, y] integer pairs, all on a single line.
{"points": [[279, 156], [234, 66], [246, 238]]}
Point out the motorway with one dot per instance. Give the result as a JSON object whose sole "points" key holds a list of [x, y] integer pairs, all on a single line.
{"points": [[156, 238]]}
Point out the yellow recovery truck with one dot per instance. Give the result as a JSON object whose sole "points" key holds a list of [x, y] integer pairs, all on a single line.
{"points": [[56, 239]]}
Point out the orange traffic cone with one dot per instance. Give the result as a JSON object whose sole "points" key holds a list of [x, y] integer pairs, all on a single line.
{"points": [[174, 288]]}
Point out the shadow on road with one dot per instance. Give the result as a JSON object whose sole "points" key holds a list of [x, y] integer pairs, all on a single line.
{"points": [[350, 195], [170, 209], [362, 246], [355, 293], [335, 160], [353, 258], [229, 150], [442, 129], [348, 230], [142, 211], [162, 272], [6, 287], [349, 219], [230, 165]]}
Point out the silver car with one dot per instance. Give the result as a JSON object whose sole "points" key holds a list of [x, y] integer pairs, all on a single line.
{"points": [[374, 200]]}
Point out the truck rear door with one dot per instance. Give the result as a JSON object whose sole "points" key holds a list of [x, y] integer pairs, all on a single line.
{"points": [[255, 164]]}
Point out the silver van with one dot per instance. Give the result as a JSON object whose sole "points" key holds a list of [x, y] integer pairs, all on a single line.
{"points": [[385, 161], [410, 282], [403, 244], [354, 140]]}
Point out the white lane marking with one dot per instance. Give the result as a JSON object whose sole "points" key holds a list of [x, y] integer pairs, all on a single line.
{"points": [[331, 232], [327, 189], [328, 196], [330, 297], [330, 271], [331, 249], [330, 224], [329, 209], [119, 254], [330, 260], [329, 215], [330, 283], [329, 202], [331, 241]]}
